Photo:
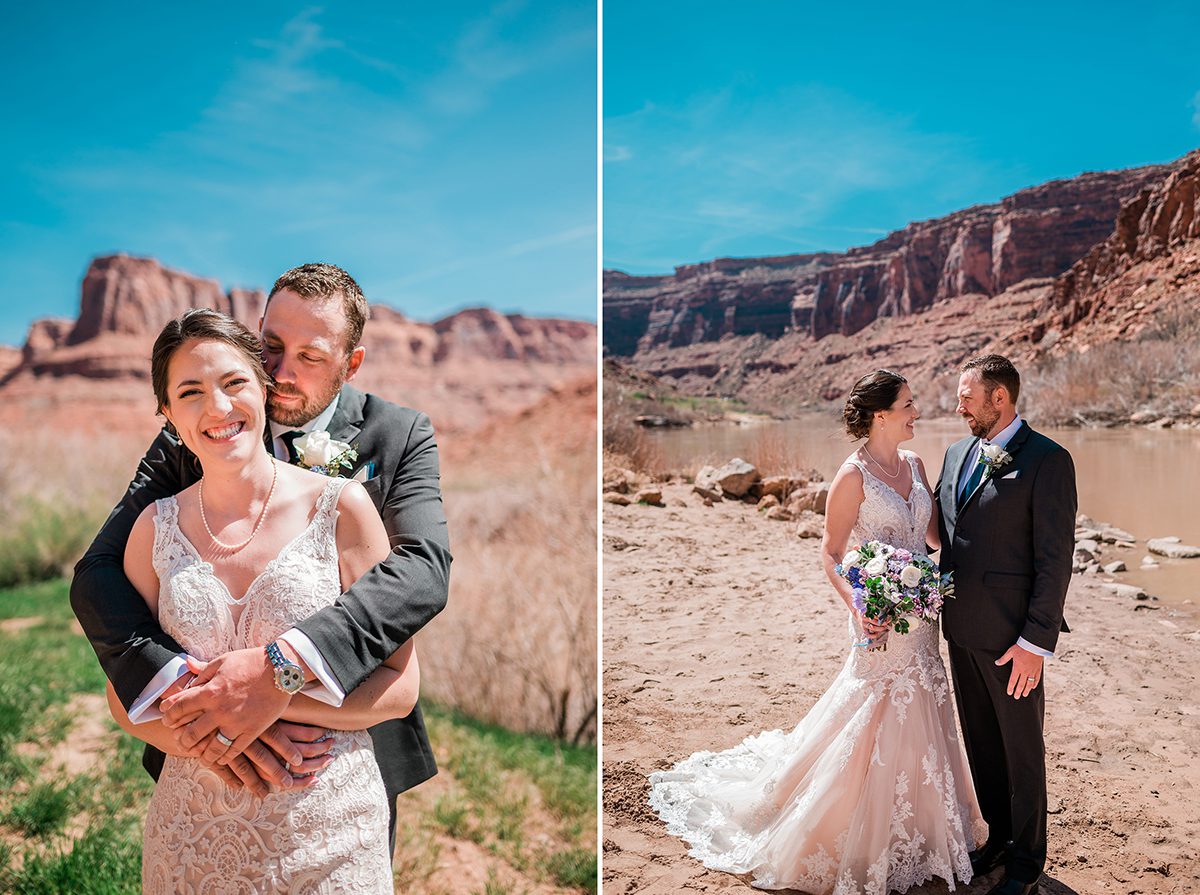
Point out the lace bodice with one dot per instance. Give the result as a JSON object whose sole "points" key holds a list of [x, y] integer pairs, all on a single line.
{"points": [[197, 609], [204, 838], [886, 516]]}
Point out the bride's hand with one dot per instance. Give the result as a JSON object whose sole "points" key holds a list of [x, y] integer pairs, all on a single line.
{"points": [[873, 629]]}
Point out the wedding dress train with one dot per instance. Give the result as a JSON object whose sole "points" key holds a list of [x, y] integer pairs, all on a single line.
{"points": [[202, 837], [871, 791]]}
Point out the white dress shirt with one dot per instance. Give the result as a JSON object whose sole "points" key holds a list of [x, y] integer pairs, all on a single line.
{"points": [[325, 688], [1003, 437]]}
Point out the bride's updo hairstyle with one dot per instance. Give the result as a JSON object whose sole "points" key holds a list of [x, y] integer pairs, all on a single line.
{"points": [[874, 392], [204, 324]]}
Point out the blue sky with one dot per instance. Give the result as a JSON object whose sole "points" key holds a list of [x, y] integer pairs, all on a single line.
{"points": [[445, 156], [774, 128]]}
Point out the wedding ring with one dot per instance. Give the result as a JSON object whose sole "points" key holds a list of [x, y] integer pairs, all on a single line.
{"points": [[226, 741], [1028, 679]]}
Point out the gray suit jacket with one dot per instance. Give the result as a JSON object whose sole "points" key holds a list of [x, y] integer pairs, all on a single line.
{"points": [[1009, 545], [382, 610]]}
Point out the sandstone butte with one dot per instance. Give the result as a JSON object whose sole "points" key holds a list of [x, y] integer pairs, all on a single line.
{"points": [[1053, 268], [467, 370]]}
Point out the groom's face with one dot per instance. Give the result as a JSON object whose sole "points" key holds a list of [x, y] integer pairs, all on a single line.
{"points": [[305, 352], [976, 405]]}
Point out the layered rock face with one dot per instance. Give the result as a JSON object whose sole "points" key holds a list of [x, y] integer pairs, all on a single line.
{"points": [[465, 369], [1035, 233], [1150, 254], [135, 296]]}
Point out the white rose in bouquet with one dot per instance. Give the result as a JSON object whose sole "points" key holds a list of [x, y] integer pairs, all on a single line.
{"points": [[910, 576], [876, 567], [850, 560]]}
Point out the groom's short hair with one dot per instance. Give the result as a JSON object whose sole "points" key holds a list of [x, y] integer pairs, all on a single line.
{"points": [[319, 280], [995, 370]]}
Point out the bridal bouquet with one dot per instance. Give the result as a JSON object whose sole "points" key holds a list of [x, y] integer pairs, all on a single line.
{"points": [[894, 586]]}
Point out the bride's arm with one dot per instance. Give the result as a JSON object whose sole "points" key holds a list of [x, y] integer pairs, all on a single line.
{"points": [[391, 690], [841, 511], [933, 538], [139, 569]]}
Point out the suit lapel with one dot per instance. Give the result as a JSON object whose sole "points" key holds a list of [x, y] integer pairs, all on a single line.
{"points": [[1012, 448], [958, 468], [347, 419]]}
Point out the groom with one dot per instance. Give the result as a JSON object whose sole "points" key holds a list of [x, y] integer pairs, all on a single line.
{"points": [[311, 328], [1007, 520]]}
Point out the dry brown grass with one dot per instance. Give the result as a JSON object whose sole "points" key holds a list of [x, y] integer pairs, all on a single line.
{"points": [[1158, 372], [56, 491], [517, 643]]}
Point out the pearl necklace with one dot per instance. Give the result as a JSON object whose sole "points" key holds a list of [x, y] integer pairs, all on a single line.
{"points": [[257, 525], [882, 468]]}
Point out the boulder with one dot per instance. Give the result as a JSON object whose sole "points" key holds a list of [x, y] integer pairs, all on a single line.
{"points": [[1083, 556], [1090, 546], [1143, 417], [1082, 521], [1116, 566], [1172, 548], [652, 496], [1087, 534], [616, 497], [1110, 534], [779, 514], [810, 525], [1128, 591], [710, 495], [736, 477], [767, 502], [778, 486], [812, 499]]}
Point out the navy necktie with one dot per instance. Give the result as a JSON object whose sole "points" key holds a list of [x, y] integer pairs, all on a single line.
{"points": [[974, 480], [289, 442]]}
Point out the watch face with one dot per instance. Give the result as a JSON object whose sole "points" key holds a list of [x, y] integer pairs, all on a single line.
{"points": [[289, 678]]}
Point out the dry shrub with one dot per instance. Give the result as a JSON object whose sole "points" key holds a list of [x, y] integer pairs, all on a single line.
{"points": [[1159, 372], [56, 494], [516, 644], [772, 454]]}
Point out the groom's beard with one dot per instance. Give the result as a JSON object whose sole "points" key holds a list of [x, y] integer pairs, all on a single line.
{"points": [[308, 408], [979, 425]]}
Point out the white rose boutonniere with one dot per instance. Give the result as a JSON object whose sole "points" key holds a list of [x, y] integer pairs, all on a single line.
{"points": [[320, 453], [993, 457]]}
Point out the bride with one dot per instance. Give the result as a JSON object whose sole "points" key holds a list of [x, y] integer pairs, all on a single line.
{"points": [[288, 541], [870, 792]]}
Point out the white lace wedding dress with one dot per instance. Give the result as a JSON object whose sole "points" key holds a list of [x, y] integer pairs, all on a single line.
{"points": [[871, 791], [202, 837]]}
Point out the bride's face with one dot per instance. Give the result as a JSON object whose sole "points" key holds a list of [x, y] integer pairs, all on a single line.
{"points": [[898, 419], [215, 402]]}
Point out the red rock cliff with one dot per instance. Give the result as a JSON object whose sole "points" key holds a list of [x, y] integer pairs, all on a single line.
{"points": [[1037, 232]]}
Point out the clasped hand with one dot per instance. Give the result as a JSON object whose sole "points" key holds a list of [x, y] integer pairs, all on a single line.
{"points": [[236, 695]]}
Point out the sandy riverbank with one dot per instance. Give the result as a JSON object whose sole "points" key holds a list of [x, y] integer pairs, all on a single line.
{"points": [[719, 623]]}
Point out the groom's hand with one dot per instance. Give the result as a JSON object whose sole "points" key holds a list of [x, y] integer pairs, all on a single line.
{"points": [[1026, 671], [235, 694]]}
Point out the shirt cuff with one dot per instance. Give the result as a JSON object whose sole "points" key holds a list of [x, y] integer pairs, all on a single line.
{"points": [[145, 707], [1036, 650], [325, 688]]}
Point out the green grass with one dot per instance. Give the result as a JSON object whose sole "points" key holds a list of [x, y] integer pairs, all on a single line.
{"points": [[575, 867], [499, 775]]}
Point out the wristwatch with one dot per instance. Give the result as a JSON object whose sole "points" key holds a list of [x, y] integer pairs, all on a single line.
{"points": [[289, 677]]}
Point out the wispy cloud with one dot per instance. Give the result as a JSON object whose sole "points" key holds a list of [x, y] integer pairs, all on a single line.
{"points": [[513, 250], [736, 166], [1196, 109]]}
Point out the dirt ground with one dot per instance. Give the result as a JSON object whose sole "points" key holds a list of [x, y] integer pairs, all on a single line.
{"points": [[719, 623]]}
